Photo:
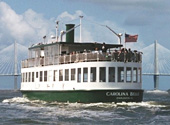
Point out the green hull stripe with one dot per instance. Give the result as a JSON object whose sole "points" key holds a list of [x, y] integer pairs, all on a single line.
{"points": [[92, 96]]}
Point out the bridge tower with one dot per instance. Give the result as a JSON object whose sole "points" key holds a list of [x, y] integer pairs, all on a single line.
{"points": [[156, 70], [15, 66]]}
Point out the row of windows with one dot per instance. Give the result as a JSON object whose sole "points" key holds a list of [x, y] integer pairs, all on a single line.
{"points": [[127, 74]]}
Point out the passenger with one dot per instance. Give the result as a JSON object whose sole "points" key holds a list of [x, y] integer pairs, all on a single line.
{"points": [[135, 56], [109, 54], [121, 55], [73, 53], [125, 55], [139, 56], [129, 55], [96, 50], [104, 48], [116, 53]]}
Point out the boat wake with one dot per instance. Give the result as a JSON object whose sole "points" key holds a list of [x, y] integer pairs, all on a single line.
{"points": [[94, 113], [22, 100]]}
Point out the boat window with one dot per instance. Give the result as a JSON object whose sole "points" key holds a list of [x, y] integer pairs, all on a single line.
{"points": [[111, 74], [102, 74], [120, 74], [36, 74], [93, 74], [61, 75], [32, 76], [134, 74], [66, 75], [85, 74], [29, 77], [41, 73], [45, 76], [26, 77], [139, 75], [55, 75], [128, 74], [79, 75], [73, 72]]}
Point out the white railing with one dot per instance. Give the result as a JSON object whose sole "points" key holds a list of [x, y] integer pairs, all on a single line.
{"points": [[82, 57]]}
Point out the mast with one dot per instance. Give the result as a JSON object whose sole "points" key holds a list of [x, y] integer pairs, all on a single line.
{"points": [[57, 30], [80, 28], [156, 71]]}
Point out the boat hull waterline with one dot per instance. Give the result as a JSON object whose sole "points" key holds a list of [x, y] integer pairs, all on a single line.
{"points": [[86, 96]]}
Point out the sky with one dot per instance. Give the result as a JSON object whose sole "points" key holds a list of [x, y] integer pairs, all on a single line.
{"points": [[27, 21]]}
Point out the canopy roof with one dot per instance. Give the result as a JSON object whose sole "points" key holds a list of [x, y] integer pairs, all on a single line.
{"points": [[87, 46]]}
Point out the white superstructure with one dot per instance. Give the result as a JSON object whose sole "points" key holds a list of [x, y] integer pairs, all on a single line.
{"points": [[79, 71]]}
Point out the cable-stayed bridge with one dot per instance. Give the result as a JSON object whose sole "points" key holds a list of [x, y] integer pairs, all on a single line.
{"points": [[156, 60], [10, 63]]}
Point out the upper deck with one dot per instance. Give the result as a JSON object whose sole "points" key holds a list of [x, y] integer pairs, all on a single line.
{"points": [[63, 53]]}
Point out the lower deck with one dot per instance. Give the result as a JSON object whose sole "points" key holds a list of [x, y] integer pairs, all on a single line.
{"points": [[83, 76]]}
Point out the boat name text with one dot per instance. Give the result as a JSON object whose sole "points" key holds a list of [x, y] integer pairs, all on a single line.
{"points": [[122, 93]]}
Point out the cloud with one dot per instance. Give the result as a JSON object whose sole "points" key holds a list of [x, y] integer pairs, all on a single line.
{"points": [[131, 5], [65, 16], [29, 28], [95, 31], [13, 23], [135, 12], [24, 28]]}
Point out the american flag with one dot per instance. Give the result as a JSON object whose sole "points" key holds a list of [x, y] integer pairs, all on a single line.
{"points": [[131, 38]]}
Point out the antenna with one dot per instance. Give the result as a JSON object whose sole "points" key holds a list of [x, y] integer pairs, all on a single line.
{"points": [[57, 28], [80, 28]]}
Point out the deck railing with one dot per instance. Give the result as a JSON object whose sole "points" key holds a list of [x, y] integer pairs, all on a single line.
{"points": [[82, 57]]}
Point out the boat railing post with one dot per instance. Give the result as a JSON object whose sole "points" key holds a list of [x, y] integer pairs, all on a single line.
{"points": [[77, 57], [36, 61], [98, 56], [45, 61], [24, 64], [70, 58], [42, 61], [64, 58], [85, 56], [39, 63]]}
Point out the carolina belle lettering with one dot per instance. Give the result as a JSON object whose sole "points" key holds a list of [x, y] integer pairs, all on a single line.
{"points": [[122, 93]]}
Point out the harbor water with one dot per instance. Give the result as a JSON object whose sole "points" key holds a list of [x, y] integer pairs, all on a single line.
{"points": [[154, 110]]}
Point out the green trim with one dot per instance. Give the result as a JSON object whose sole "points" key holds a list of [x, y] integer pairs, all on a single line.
{"points": [[83, 96]]}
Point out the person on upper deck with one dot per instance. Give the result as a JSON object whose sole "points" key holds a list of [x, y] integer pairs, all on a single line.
{"points": [[104, 48]]}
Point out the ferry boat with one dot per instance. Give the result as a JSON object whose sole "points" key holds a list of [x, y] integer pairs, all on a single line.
{"points": [[82, 72]]}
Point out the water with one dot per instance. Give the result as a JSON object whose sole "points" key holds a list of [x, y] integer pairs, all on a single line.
{"points": [[155, 109]]}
